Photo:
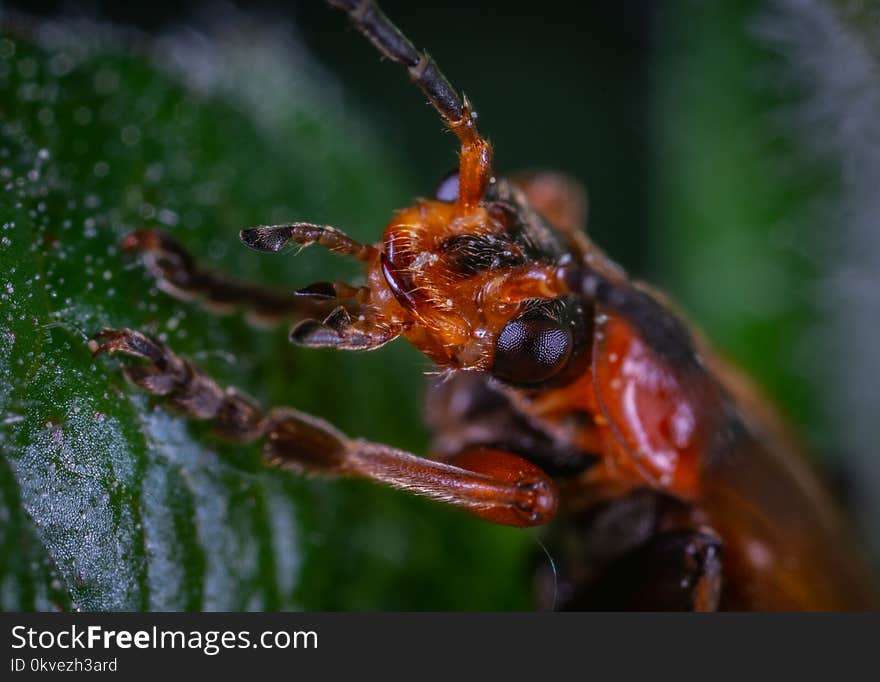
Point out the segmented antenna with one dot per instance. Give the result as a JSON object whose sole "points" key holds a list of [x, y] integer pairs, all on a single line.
{"points": [[388, 39]]}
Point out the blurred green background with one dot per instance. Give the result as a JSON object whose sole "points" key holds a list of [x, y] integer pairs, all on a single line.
{"points": [[727, 152]]}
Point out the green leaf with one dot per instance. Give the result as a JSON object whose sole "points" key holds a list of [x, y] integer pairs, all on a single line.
{"points": [[106, 500]]}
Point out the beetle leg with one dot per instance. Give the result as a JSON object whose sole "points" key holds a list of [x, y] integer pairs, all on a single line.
{"points": [[631, 550], [342, 330], [178, 274], [329, 314], [273, 238], [676, 570], [469, 410], [492, 484]]}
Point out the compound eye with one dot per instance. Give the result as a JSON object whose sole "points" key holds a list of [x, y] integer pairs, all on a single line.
{"points": [[531, 350], [447, 190]]}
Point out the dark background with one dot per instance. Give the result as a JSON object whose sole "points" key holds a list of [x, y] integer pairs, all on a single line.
{"points": [[566, 92]]}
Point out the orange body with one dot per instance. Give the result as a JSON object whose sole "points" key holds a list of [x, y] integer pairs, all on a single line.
{"points": [[568, 390], [599, 378], [652, 424]]}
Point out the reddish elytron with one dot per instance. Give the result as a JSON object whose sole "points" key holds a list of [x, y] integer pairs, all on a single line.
{"points": [[570, 390]]}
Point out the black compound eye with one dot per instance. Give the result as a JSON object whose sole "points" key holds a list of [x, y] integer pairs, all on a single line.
{"points": [[531, 350], [447, 190]]}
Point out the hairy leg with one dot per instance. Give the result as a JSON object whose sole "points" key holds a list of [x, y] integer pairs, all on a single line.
{"points": [[674, 571], [639, 551], [273, 238], [326, 314], [178, 274], [492, 484], [469, 410]]}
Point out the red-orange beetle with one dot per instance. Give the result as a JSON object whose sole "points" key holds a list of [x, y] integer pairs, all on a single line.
{"points": [[570, 391]]}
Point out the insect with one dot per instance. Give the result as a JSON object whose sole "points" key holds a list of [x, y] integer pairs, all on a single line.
{"points": [[572, 392]]}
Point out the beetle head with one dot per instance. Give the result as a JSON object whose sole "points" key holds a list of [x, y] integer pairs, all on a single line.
{"points": [[478, 290]]}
